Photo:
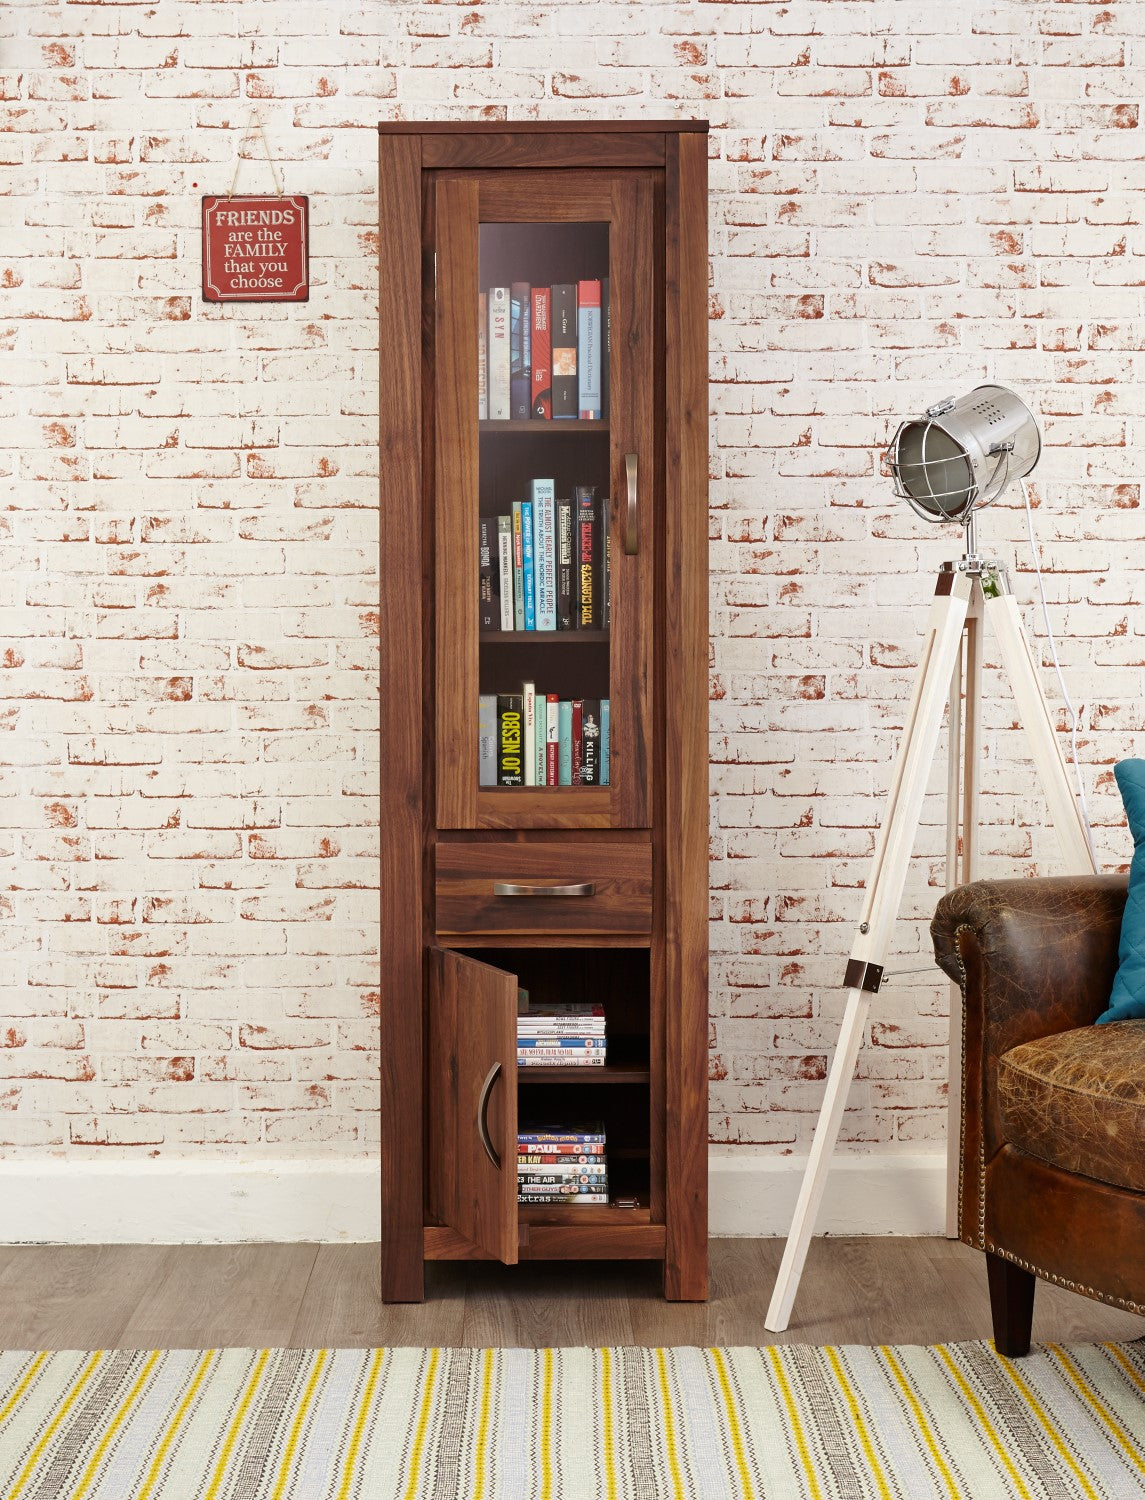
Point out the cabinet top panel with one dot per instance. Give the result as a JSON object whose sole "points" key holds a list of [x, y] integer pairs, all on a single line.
{"points": [[534, 127]]}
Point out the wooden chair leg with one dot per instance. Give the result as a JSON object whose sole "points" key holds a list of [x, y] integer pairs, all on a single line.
{"points": [[1011, 1305]]}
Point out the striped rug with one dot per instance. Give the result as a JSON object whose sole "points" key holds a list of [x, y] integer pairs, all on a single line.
{"points": [[574, 1424]]}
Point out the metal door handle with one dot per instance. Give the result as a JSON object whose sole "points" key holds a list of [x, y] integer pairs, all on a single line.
{"points": [[483, 1115], [506, 888], [632, 523]]}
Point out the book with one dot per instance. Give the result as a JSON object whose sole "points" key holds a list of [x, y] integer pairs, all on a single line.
{"points": [[558, 1156], [606, 352], [510, 770], [563, 350], [545, 552], [564, 1133], [604, 731], [552, 737], [605, 568], [497, 356], [505, 569], [564, 577], [542, 375], [482, 356], [529, 732], [490, 604], [587, 616], [577, 738], [590, 748], [487, 740], [558, 1044], [528, 565], [564, 743], [520, 351], [589, 333], [573, 1060], [518, 570]]}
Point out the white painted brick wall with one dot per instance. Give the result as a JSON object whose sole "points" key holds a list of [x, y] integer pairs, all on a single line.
{"points": [[906, 198]]}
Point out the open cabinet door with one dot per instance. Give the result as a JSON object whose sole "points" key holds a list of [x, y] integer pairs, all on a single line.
{"points": [[472, 1101]]}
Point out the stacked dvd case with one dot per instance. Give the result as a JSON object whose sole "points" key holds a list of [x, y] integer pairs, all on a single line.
{"points": [[562, 1164]]}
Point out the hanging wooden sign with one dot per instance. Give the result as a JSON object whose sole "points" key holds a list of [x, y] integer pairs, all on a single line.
{"points": [[256, 249]]}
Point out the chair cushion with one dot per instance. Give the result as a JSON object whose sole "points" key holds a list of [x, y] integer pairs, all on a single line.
{"points": [[1128, 997], [1077, 1101]]}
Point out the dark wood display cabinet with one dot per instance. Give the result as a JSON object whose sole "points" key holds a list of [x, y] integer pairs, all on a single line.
{"points": [[544, 764]]}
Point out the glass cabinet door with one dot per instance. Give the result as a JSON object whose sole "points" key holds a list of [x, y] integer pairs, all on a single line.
{"points": [[545, 498]]}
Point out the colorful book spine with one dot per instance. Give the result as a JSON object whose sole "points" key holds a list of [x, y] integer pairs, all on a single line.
{"points": [[564, 350], [557, 1156], [528, 564], [510, 769], [605, 730], [542, 1198], [568, 1060], [505, 569], [529, 732], [552, 739], [577, 738], [589, 336], [606, 354], [565, 533], [590, 746], [559, 1043], [520, 351], [605, 568], [562, 1137], [542, 753], [564, 743], [587, 617], [497, 377], [518, 570], [490, 605], [545, 550], [482, 356], [487, 740], [542, 374]]}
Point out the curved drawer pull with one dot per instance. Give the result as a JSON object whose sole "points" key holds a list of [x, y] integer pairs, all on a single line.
{"points": [[483, 1115], [507, 888]]}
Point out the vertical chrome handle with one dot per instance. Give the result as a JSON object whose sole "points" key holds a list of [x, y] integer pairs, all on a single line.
{"points": [[632, 524], [483, 1115]]}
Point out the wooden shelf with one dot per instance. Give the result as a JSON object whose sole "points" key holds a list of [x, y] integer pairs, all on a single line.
{"points": [[583, 1213], [610, 1073], [545, 637], [543, 425]]}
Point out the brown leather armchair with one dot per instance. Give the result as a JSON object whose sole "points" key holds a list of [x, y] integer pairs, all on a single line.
{"points": [[1052, 1175]]}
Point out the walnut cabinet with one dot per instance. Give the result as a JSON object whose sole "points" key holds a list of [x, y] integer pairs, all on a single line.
{"points": [[589, 885]]}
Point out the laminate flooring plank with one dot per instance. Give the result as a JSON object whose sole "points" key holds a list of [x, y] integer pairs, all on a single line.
{"points": [[221, 1296], [72, 1296], [542, 1303], [343, 1306]]}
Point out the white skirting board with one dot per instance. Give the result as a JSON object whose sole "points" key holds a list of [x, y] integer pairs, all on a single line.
{"points": [[182, 1202]]}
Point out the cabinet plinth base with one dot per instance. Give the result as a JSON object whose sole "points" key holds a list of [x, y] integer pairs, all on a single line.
{"points": [[639, 1241]]}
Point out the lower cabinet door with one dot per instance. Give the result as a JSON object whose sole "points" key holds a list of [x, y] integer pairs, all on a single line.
{"points": [[472, 1101]]}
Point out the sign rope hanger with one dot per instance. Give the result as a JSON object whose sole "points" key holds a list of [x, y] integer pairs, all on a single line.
{"points": [[947, 466], [256, 249]]}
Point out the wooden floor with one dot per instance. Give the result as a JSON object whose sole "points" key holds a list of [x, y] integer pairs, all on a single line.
{"points": [[866, 1291]]}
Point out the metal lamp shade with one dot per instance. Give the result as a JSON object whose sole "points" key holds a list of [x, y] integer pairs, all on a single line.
{"points": [[964, 453]]}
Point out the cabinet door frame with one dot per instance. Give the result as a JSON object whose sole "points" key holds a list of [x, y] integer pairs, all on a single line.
{"points": [[626, 201], [471, 1099]]}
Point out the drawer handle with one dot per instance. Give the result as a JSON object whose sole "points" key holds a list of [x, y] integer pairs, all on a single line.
{"points": [[507, 888], [632, 522], [483, 1115]]}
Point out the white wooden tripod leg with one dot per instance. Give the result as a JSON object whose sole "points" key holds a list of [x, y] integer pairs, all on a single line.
{"points": [[1018, 662], [953, 827], [883, 898]]}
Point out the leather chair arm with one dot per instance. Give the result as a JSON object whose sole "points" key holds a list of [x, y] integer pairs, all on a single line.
{"points": [[1032, 957], [1037, 956]]}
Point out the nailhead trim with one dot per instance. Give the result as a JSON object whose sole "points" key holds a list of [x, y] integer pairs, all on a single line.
{"points": [[1073, 1286]]}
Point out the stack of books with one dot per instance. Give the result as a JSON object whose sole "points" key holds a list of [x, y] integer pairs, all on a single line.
{"points": [[561, 1036], [542, 351], [531, 738], [562, 1165], [546, 564]]}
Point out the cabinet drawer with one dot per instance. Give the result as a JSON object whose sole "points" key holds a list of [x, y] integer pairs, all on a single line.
{"points": [[570, 887]]}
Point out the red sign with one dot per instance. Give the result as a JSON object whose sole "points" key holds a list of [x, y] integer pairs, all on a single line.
{"points": [[256, 249]]}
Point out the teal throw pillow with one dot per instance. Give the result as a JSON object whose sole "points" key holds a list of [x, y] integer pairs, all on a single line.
{"points": [[1127, 1002]]}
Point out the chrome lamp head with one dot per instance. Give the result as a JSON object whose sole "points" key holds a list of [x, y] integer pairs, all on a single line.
{"points": [[963, 453]]}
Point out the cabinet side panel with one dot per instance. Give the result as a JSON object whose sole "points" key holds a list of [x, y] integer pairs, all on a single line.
{"points": [[685, 646], [399, 572]]}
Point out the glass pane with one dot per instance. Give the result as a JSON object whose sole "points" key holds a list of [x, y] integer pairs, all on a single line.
{"points": [[545, 588]]}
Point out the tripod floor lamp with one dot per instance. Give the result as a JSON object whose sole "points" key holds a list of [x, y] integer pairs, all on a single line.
{"points": [[947, 466]]}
